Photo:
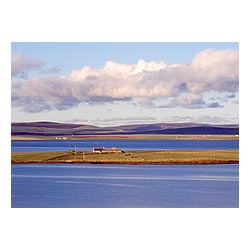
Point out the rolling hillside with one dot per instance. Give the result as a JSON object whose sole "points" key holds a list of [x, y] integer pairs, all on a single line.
{"points": [[53, 129]]}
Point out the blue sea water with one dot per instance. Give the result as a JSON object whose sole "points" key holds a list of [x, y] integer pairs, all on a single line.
{"points": [[63, 145], [116, 186]]}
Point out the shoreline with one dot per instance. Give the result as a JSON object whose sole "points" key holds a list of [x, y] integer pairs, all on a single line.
{"points": [[133, 163]]}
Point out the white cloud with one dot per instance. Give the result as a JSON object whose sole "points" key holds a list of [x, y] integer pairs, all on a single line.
{"points": [[215, 70], [20, 64], [124, 120], [210, 69], [212, 119]]}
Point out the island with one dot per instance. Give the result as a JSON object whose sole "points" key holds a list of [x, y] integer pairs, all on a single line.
{"points": [[116, 156]]}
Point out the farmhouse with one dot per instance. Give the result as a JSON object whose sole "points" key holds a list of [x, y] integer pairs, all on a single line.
{"points": [[107, 151], [98, 150]]}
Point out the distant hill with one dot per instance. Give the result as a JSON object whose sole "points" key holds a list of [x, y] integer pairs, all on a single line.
{"points": [[199, 130], [53, 129], [47, 128]]}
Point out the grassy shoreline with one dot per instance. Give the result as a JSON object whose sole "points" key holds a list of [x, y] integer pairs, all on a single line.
{"points": [[131, 157]]}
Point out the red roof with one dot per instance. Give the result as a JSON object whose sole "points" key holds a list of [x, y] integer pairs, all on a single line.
{"points": [[98, 149]]}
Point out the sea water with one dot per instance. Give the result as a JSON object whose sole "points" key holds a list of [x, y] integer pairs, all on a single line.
{"points": [[64, 145], [124, 186]]}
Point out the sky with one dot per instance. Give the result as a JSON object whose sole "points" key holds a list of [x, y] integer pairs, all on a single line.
{"points": [[107, 84]]}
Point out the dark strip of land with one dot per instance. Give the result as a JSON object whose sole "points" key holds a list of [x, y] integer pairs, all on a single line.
{"points": [[131, 157], [129, 137]]}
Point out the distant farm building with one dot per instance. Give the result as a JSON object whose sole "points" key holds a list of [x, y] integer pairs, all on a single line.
{"points": [[107, 151], [61, 138], [98, 150], [115, 150]]}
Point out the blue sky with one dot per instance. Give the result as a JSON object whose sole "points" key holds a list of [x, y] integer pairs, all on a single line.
{"points": [[121, 83], [76, 55]]}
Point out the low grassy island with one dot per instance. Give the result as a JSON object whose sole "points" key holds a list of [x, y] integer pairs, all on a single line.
{"points": [[130, 157]]}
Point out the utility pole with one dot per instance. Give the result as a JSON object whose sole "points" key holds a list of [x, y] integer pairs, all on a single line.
{"points": [[83, 156]]}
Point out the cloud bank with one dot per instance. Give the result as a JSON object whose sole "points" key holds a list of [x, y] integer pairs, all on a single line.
{"points": [[183, 84], [191, 101]]}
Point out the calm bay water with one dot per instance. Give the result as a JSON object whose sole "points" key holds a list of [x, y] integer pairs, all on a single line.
{"points": [[102, 185], [64, 145], [93, 185]]}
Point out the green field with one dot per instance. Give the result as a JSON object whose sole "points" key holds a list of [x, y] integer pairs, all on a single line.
{"points": [[132, 157]]}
